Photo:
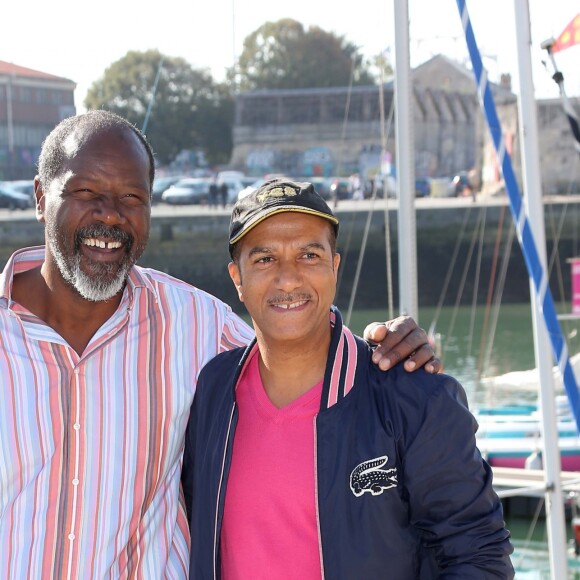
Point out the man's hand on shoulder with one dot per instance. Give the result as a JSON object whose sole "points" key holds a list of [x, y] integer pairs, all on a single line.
{"points": [[400, 339]]}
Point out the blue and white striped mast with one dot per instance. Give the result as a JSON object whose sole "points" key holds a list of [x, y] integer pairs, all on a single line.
{"points": [[531, 231]]}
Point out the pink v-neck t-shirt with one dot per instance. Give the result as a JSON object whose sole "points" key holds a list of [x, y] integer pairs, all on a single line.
{"points": [[269, 526]]}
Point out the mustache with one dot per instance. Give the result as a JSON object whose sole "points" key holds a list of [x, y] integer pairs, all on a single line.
{"points": [[114, 234], [286, 298]]}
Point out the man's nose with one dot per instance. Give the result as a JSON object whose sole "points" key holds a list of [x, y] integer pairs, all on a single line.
{"points": [[109, 210], [289, 276]]}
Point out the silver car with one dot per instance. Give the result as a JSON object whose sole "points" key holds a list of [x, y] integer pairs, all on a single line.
{"points": [[192, 190]]}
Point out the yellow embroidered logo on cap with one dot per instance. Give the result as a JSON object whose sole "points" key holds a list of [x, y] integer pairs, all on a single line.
{"points": [[277, 192]]}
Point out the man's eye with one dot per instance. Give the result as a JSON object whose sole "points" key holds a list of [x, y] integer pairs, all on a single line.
{"points": [[264, 260], [83, 192]]}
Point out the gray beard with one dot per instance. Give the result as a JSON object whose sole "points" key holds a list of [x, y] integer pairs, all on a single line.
{"points": [[96, 286]]}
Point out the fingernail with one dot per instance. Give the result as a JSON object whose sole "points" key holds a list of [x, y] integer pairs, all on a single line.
{"points": [[429, 368], [410, 364], [385, 364]]}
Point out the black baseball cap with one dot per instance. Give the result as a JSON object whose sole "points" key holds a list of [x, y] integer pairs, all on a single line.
{"points": [[277, 196]]}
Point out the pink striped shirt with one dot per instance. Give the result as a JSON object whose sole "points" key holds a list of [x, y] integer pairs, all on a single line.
{"points": [[90, 446]]}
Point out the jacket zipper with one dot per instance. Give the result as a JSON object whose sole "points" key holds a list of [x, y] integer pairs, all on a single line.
{"points": [[316, 500], [215, 530]]}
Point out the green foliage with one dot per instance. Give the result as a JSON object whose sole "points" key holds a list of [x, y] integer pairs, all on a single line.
{"points": [[190, 110], [283, 55]]}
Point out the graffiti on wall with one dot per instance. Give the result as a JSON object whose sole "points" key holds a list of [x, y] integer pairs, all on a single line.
{"points": [[318, 161], [314, 161]]}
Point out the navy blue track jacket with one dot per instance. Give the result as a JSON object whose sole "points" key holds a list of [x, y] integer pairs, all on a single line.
{"points": [[402, 491]]}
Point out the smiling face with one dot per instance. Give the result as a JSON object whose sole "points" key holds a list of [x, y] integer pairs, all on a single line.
{"points": [[285, 273], [97, 212]]}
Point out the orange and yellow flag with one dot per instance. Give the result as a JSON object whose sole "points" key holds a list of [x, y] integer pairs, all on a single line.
{"points": [[569, 37]]}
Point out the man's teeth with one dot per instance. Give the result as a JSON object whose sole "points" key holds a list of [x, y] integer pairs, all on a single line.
{"points": [[291, 306], [92, 242]]}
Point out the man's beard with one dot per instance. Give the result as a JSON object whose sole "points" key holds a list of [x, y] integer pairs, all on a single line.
{"points": [[101, 281]]}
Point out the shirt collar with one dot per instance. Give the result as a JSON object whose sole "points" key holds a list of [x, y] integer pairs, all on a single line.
{"points": [[28, 258]]}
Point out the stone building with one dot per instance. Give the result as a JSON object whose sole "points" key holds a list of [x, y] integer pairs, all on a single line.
{"points": [[31, 104], [338, 131], [559, 158]]}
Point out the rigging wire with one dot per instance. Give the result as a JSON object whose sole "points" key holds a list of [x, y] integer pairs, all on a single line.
{"points": [[490, 289], [366, 235], [338, 170], [450, 270], [345, 123], [556, 235], [361, 256], [476, 287], [345, 251], [152, 99], [497, 299], [384, 140], [463, 277], [555, 253], [531, 530]]}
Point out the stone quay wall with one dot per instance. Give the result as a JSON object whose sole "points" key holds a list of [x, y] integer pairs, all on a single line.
{"points": [[194, 248]]}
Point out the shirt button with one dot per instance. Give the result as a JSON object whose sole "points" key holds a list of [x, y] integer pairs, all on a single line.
{"points": [[77, 371], [76, 426], [75, 481], [71, 536]]}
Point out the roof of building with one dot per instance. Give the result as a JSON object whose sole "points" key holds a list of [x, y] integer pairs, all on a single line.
{"points": [[22, 71], [434, 61]]}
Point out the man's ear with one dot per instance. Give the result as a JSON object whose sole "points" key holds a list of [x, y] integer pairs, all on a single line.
{"points": [[39, 197], [336, 261], [236, 277]]}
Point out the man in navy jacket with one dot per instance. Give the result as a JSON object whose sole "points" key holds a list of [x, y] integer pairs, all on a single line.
{"points": [[302, 459]]}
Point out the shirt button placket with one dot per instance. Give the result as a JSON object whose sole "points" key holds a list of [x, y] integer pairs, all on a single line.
{"points": [[75, 440]]}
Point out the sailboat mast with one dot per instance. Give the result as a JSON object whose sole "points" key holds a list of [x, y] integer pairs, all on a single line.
{"points": [[407, 236], [528, 128]]}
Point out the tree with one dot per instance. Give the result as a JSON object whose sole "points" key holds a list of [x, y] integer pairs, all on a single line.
{"points": [[190, 110], [282, 54]]}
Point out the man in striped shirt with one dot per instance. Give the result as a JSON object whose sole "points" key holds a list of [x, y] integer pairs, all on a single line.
{"points": [[98, 362]]}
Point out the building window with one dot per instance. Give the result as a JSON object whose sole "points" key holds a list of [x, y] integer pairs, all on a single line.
{"points": [[57, 97], [302, 109], [25, 95], [260, 111], [41, 96]]}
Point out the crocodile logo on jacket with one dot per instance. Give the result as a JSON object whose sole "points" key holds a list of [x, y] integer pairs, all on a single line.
{"points": [[368, 476]]}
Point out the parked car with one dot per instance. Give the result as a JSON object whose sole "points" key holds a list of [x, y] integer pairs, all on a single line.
{"points": [[322, 186], [25, 186], [253, 185], [161, 184], [13, 199], [245, 191], [192, 190]]}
